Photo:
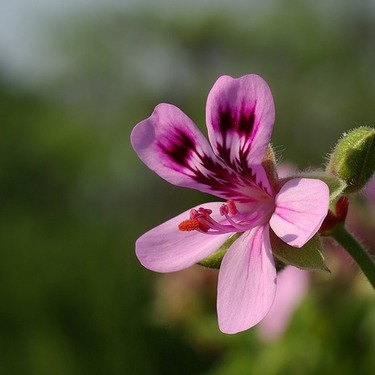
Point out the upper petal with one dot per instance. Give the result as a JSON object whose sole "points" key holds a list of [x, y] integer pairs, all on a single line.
{"points": [[247, 281], [170, 144], [240, 114], [301, 206], [167, 249]]}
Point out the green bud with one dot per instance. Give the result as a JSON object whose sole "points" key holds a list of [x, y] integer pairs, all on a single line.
{"points": [[353, 159]]}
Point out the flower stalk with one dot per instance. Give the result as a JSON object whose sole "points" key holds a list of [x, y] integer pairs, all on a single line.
{"points": [[364, 260]]}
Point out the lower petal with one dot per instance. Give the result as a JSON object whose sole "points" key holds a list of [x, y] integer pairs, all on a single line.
{"points": [[301, 206], [167, 249], [247, 282]]}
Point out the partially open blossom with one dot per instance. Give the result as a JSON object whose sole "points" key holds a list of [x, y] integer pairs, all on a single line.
{"points": [[240, 116]]}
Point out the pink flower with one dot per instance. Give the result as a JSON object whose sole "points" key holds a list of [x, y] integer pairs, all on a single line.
{"points": [[240, 116]]}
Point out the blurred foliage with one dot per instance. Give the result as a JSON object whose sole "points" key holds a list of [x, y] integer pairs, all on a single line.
{"points": [[74, 196]]}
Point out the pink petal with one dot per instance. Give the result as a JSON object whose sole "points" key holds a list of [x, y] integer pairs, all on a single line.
{"points": [[301, 206], [247, 281], [240, 115], [292, 285], [170, 144], [167, 249]]}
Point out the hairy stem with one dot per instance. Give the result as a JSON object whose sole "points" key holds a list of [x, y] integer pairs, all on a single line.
{"points": [[364, 260]]}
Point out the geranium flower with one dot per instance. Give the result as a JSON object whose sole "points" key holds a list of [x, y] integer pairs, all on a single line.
{"points": [[240, 116]]}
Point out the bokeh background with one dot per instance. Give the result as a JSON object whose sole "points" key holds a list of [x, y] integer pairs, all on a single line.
{"points": [[75, 77]]}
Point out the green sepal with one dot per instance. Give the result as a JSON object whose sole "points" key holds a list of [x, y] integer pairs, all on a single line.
{"points": [[308, 257], [353, 159], [269, 165], [214, 260]]}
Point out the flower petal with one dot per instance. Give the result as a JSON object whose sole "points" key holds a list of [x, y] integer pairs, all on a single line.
{"points": [[240, 114], [247, 281], [170, 144], [292, 285], [301, 206], [167, 249]]}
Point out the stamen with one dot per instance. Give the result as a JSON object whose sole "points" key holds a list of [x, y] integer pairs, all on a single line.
{"points": [[204, 225], [194, 214], [189, 225], [204, 211], [232, 207], [238, 226], [201, 220], [224, 210]]}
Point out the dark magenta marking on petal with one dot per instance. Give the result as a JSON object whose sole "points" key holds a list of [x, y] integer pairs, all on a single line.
{"points": [[225, 120], [180, 148], [242, 122], [239, 124], [246, 122], [226, 181], [223, 151], [219, 175]]}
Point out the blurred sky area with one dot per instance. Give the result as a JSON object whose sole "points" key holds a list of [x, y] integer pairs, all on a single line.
{"points": [[25, 26]]}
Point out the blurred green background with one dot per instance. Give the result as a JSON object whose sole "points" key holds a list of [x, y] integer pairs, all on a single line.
{"points": [[75, 77]]}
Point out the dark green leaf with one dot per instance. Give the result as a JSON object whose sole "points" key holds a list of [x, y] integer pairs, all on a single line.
{"points": [[309, 257]]}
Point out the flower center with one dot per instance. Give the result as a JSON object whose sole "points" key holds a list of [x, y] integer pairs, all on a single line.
{"points": [[231, 220]]}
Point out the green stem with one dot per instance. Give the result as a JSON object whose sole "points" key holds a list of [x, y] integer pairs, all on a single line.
{"points": [[357, 252]]}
